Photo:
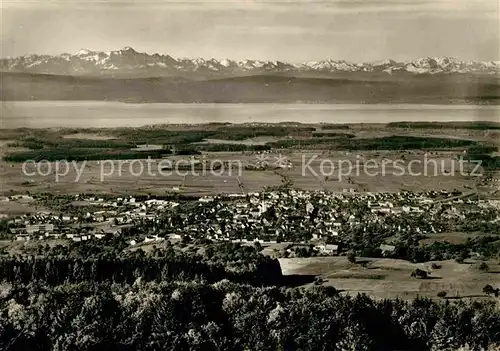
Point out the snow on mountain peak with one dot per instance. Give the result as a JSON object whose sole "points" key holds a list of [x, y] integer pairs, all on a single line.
{"points": [[127, 59], [383, 63], [225, 62], [125, 50], [83, 52]]}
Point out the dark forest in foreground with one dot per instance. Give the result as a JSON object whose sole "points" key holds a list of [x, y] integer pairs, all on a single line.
{"points": [[98, 298], [175, 315], [429, 89]]}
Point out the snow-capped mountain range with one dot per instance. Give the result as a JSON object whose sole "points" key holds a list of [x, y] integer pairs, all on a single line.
{"points": [[128, 61]]}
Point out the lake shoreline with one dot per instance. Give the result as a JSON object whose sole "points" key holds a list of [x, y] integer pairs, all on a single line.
{"points": [[102, 114]]}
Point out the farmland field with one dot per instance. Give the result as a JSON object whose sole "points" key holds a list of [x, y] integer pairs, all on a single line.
{"points": [[123, 176], [389, 278]]}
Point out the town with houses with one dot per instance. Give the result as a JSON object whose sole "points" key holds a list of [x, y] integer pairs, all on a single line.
{"points": [[328, 222]]}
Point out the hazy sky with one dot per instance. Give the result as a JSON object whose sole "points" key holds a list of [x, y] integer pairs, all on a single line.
{"points": [[295, 31]]}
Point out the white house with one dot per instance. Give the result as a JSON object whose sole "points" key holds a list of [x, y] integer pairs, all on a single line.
{"points": [[327, 249]]}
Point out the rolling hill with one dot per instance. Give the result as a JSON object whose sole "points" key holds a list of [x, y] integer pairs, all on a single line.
{"points": [[348, 88]]}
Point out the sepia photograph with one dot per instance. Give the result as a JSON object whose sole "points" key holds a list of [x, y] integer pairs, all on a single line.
{"points": [[250, 175]]}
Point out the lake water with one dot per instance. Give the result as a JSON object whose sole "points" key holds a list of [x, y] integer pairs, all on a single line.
{"points": [[89, 114]]}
